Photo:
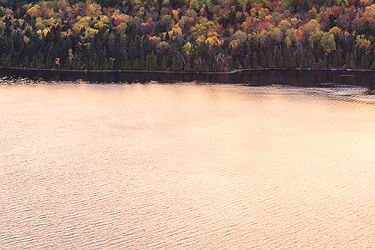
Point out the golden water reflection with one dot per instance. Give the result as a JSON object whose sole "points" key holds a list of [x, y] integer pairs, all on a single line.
{"points": [[187, 165]]}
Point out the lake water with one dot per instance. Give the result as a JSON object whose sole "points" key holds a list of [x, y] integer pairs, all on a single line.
{"points": [[185, 165]]}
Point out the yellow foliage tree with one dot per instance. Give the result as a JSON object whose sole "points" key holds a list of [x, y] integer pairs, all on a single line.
{"points": [[84, 22], [187, 48], [363, 43], [212, 41], [33, 11]]}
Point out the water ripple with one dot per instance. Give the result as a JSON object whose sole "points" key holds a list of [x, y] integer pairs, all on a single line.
{"points": [[185, 166]]}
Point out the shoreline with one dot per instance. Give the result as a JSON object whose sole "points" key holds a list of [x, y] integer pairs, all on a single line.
{"points": [[300, 77], [184, 72]]}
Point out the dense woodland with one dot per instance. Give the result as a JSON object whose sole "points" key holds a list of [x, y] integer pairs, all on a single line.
{"points": [[187, 35]]}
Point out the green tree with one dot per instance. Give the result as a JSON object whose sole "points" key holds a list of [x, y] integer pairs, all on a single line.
{"points": [[328, 43], [176, 64], [151, 62], [254, 63], [352, 63]]}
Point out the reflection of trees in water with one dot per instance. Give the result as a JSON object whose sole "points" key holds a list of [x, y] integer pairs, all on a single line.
{"points": [[293, 77]]}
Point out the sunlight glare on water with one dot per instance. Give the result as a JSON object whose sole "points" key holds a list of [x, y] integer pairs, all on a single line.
{"points": [[184, 165]]}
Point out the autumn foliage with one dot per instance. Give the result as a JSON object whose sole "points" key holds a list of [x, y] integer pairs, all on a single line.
{"points": [[188, 35]]}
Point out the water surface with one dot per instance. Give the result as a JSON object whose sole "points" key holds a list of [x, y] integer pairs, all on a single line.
{"points": [[213, 166]]}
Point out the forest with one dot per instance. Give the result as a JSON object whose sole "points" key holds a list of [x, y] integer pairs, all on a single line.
{"points": [[187, 35]]}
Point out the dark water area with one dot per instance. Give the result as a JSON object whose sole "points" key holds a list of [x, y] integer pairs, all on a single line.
{"points": [[258, 77]]}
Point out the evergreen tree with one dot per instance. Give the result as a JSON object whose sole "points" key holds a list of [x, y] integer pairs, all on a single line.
{"points": [[176, 64], [262, 59], [279, 59], [373, 61], [254, 63], [165, 63], [8, 60], [125, 64], [364, 61], [352, 63], [269, 59], [292, 62], [151, 62]]}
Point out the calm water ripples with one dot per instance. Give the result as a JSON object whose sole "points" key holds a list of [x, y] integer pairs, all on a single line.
{"points": [[185, 166]]}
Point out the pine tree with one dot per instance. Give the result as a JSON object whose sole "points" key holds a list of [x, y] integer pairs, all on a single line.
{"points": [[165, 63], [292, 62], [308, 59], [299, 59], [138, 64], [262, 59], [286, 55], [323, 63], [364, 61], [254, 63], [176, 64], [238, 64], [187, 67], [335, 60], [125, 64], [373, 61], [279, 59], [8, 60], [269, 59], [151, 62], [352, 63], [132, 51]]}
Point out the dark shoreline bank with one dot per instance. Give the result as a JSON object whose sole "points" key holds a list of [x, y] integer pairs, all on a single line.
{"points": [[283, 76]]}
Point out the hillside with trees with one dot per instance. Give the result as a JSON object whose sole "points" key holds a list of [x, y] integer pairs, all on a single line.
{"points": [[187, 35]]}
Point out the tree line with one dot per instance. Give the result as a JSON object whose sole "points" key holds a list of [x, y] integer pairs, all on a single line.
{"points": [[187, 35]]}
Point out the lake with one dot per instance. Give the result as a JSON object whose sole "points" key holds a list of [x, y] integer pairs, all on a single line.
{"points": [[186, 166]]}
